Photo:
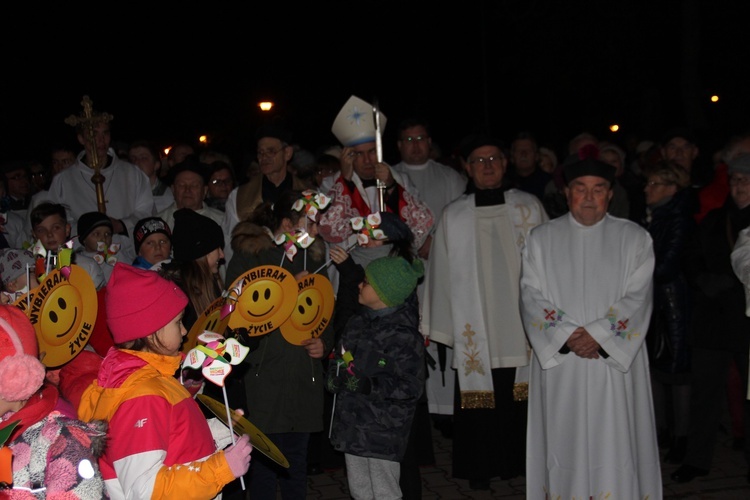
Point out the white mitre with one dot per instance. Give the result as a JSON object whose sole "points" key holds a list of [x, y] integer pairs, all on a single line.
{"points": [[355, 123]]}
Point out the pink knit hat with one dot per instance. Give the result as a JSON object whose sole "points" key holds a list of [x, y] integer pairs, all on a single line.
{"points": [[139, 302], [21, 372]]}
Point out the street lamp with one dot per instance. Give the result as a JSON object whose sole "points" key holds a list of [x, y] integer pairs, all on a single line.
{"points": [[265, 105]]}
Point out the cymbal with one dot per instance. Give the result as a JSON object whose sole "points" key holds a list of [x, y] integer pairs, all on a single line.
{"points": [[241, 426]]}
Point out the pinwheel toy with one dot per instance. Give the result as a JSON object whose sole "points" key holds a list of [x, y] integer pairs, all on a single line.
{"points": [[290, 242], [368, 228], [311, 202], [215, 367]]}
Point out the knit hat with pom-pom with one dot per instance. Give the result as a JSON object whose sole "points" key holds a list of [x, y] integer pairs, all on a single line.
{"points": [[21, 372]]}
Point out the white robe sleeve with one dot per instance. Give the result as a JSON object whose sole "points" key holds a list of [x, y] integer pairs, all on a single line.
{"points": [[547, 327], [611, 299], [622, 331], [437, 319]]}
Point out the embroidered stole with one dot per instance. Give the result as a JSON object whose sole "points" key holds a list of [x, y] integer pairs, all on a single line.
{"points": [[469, 331]]}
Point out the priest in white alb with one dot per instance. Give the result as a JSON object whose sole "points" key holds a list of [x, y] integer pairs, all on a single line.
{"points": [[586, 300]]}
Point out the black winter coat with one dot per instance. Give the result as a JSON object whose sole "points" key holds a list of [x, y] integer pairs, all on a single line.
{"points": [[719, 320], [388, 353], [671, 226]]}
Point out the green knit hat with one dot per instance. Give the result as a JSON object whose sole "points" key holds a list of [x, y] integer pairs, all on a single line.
{"points": [[393, 278]]}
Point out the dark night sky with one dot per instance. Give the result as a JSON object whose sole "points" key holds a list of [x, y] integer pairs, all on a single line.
{"points": [[554, 68]]}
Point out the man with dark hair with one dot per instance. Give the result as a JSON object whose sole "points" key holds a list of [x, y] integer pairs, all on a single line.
{"points": [[525, 173], [438, 185]]}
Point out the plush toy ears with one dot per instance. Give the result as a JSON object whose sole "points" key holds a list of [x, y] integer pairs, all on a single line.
{"points": [[21, 374]]}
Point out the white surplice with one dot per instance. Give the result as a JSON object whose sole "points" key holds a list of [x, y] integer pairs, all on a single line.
{"points": [[471, 287], [591, 431]]}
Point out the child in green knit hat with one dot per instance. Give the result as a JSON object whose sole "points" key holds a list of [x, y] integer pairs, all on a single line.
{"points": [[392, 279], [378, 373]]}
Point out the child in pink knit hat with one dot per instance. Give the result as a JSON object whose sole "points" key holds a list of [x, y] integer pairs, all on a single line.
{"points": [[160, 444], [54, 454]]}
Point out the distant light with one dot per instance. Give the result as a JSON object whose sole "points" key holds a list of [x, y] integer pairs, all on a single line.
{"points": [[265, 105], [167, 150], [714, 98], [203, 139], [614, 127]]}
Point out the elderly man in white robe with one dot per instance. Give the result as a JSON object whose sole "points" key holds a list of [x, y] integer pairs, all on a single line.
{"points": [[586, 300], [471, 298]]}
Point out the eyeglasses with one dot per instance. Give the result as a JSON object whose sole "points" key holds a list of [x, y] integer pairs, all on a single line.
{"points": [[269, 152], [493, 160], [739, 181], [416, 138], [222, 182]]}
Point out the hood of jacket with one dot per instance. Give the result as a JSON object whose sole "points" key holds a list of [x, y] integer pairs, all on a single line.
{"points": [[121, 374]]}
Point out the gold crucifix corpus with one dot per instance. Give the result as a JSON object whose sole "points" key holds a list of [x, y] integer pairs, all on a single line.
{"points": [[88, 120]]}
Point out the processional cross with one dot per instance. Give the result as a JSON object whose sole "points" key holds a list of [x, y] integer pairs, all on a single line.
{"points": [[88, 120]]}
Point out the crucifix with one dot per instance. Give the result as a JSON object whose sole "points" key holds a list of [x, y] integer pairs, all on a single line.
{"points": [[88, 120]]}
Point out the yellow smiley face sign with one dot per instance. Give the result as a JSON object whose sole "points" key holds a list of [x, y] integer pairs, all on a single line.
{"points": [[63, 312], [209, 320], [313, 311], [265, 297]]}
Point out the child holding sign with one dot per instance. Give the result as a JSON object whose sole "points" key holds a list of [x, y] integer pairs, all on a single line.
{"points": [[160, 445]]}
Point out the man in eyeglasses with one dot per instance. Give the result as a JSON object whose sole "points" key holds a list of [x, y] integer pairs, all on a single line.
{"points": [[354, 191], [220, 184], [274, 153], [471, 303], [438, 185]]}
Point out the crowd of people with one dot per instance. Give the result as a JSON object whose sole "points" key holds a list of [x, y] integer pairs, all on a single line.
{"points": [[575, 316]]}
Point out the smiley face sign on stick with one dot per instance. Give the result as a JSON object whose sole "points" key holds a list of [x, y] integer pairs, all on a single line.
{"points": [[313, 310], [265, 297], [63, 312]]}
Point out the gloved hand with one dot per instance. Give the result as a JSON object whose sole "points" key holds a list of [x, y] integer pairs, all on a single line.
{"points": [[238, 456], [190, 382]]}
